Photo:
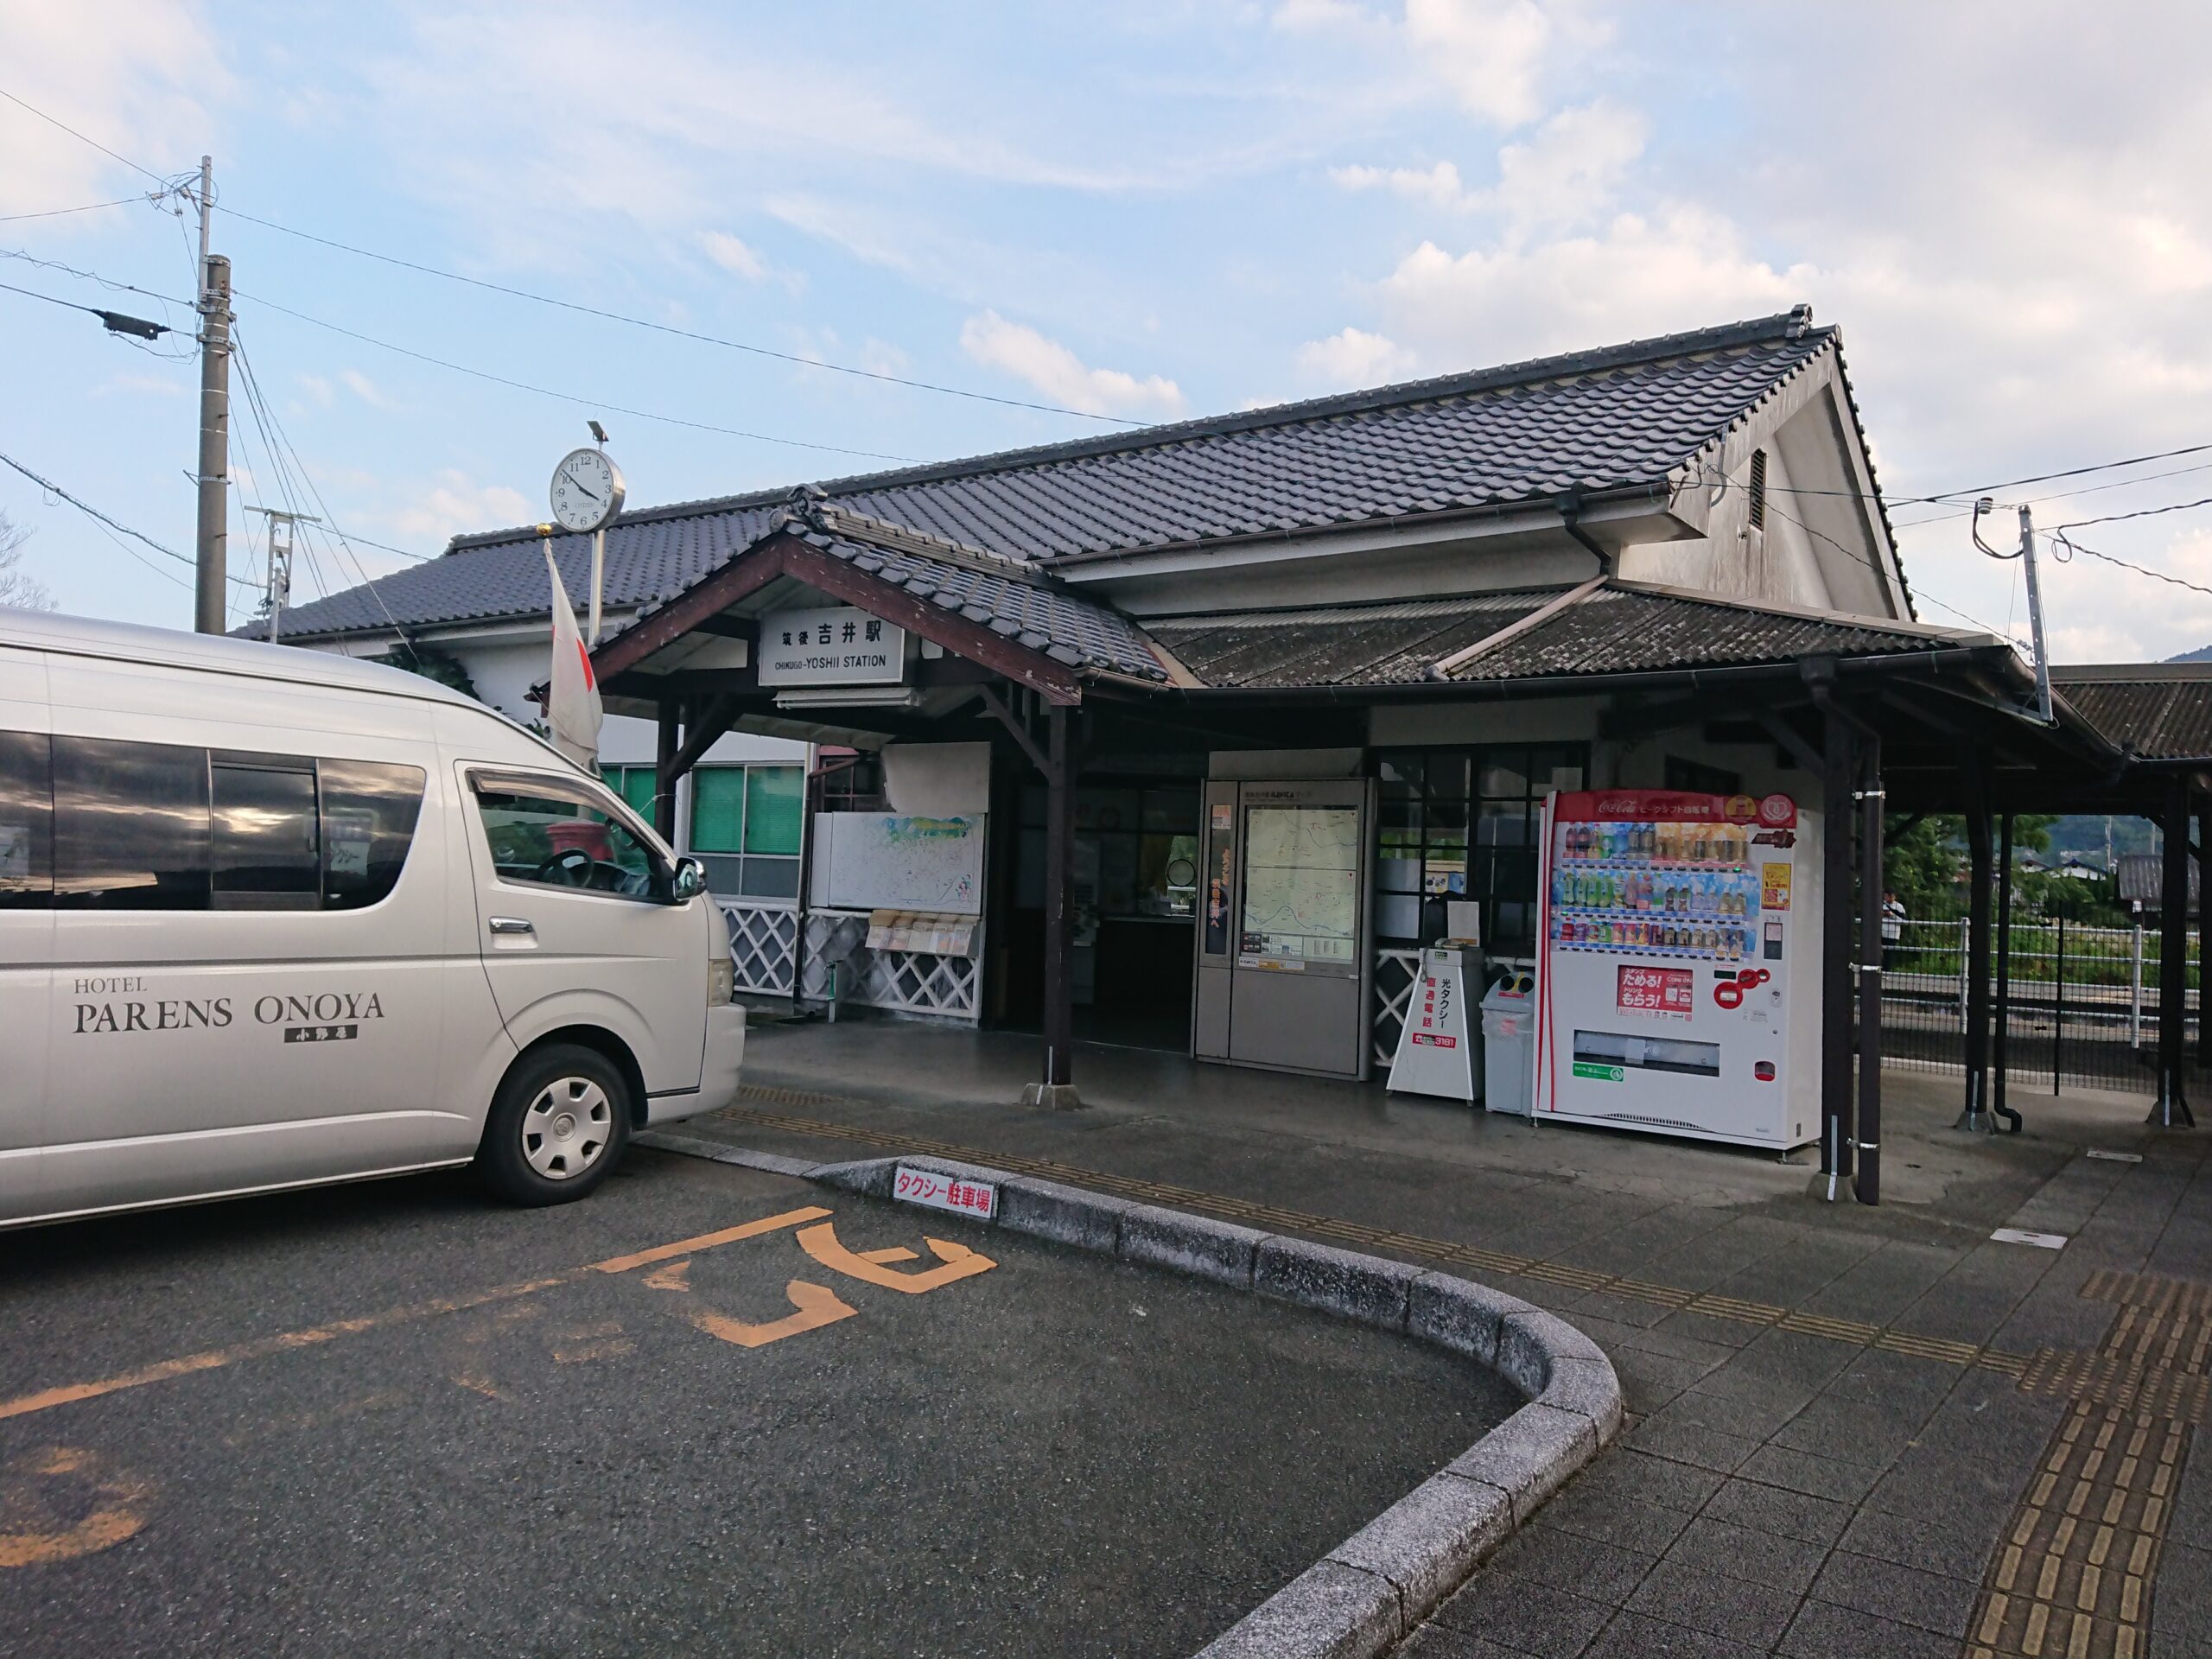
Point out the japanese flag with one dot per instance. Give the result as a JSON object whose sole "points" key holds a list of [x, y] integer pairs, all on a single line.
{"points": [[572, 705]]}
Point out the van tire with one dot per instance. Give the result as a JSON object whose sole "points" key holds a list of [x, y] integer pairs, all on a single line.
{"points": [[562, 1106]]}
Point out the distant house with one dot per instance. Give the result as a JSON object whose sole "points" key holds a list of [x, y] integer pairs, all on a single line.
{"points": [[2140, 881], [2081, 869]]}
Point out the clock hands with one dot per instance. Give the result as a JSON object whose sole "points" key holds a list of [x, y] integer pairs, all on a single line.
{"points": [[580, 483]]}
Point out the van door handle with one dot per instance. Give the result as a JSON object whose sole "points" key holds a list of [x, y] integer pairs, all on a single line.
{"points": [[511, 924]]}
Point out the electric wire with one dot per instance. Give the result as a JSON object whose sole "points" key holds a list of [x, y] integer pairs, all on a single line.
{"points": [[2060, 540], [329, 518], [52, 122], [2144, 512], [58, 213], [566, 397], [668, 328], [90, 511]]}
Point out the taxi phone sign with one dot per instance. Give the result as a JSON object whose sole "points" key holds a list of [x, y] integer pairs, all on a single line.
{"points": [[1435, 1056]]}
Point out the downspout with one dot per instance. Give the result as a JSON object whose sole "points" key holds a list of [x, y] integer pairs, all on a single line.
{"points": [[1570, 518]]}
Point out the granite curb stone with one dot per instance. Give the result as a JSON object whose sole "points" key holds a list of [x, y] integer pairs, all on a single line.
{"points": [[1374, 1589]]}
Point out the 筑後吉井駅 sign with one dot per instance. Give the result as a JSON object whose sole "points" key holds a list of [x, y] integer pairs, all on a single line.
{"points": [[842, 645]]}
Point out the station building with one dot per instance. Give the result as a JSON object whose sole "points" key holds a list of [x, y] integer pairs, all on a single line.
{"points": [[963, 741]]}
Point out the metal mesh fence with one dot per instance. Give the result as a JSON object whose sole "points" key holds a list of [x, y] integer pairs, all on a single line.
{"points": [[2084, 1002]]}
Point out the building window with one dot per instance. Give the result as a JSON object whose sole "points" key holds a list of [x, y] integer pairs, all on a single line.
{"points": [[635, 784], [1464, 823], [1136, 850], [857, 788], [745, 827]]}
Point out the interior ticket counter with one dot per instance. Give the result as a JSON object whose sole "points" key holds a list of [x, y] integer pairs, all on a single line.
{"points": [[1285, 947]]}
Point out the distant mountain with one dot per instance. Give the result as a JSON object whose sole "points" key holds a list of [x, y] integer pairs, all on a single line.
{"points": [[2201, 654]]}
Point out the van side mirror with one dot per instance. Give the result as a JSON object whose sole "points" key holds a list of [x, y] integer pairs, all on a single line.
{"points": [[691, 879]]}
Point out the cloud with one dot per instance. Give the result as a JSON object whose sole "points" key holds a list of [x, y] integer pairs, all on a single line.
{"points": [[135, 79], [1489, 52], [1640, 276], [1438, 186], [1569, 170], [317, 387], [1491, 57], [738, 258], [366, 389], [455, 504], [1060, 374], [1352, 358]]}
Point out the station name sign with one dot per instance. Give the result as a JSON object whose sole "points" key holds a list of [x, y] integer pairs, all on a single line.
{"points": [[842, 645]]}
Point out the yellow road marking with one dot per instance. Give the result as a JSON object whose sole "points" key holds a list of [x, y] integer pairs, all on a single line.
{"points": [[120, 1512], [261, 1347], [709, 1241], [820, 1241], [816, 1305]]}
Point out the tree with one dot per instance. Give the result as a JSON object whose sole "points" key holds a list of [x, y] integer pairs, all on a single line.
{"points": [[18, 587]]}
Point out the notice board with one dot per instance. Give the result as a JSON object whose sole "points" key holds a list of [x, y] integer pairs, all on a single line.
{"points": [[884, 860]]}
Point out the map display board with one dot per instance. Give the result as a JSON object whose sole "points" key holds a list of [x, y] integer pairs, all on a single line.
{"points": [[1301, 885]]}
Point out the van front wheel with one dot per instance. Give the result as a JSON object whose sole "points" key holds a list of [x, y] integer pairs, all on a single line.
{"points": [[557, 1126]]}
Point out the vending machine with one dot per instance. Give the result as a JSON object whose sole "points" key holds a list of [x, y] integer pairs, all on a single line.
{"points": [[1680, 983]]}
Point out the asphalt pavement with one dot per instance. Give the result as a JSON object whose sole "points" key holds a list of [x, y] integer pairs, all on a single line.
{"points": [[687, 1415]]}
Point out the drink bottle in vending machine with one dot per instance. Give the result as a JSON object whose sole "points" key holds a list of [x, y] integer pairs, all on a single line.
{"points": [[1680, 984]]}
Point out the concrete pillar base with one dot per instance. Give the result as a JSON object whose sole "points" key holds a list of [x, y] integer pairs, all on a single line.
{"points": [[1976, 1122], [1052, 1096]]}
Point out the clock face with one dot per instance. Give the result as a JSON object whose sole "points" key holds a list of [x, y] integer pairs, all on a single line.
{"points": [[587, 490]]}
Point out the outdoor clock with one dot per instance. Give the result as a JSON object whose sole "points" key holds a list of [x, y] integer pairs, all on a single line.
{"points": [[587, 491]]}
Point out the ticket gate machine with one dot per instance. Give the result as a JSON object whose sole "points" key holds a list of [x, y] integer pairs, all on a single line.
{"points": [[1284, 936]]}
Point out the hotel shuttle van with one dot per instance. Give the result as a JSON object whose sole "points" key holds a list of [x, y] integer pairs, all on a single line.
{"points": [[271, 917]]}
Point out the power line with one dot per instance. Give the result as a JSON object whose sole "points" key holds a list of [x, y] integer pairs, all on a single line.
{"points": [[94, 143], [2061, 540], [2146, 512], [51, 488], [59, 213], [270, 427], [668, 328], [565, 397], [115, 321]]}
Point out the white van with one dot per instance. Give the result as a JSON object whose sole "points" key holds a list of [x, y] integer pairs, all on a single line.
{"points": [[271, 917]]}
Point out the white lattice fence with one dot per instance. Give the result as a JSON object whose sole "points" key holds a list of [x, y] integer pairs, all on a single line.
{"points": [[760, 939], [1395, 972], [905, 981]]}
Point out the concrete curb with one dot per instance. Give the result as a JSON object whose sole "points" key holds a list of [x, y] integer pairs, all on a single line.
{"points": [[1370, 1591]]}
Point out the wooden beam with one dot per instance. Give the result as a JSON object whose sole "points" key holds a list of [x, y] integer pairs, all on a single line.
{"points": [[700, 735], [1004, 716], [789, 556]]}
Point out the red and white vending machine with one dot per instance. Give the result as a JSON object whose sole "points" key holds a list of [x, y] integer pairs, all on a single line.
{"points": [[1680, 986]]}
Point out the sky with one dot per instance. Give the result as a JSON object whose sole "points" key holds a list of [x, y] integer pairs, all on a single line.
{"points": [[1130, 212]]}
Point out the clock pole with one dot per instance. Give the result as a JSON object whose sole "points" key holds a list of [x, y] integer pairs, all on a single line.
{"points": [[597, 578]]}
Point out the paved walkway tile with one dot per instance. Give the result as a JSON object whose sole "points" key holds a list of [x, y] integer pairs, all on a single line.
{"points": [[1852, 1432]]}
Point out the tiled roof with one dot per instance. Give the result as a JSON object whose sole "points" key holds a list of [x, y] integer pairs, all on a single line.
{"points": [[1606, 630], [1008, 596], [2162, 711], [1620, 419]]}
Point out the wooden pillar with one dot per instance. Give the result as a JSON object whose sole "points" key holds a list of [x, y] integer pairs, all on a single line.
{"points": [[2172, 1110], [1056, 1085], [671, 716], [1976, 1114], [1869, 1184], [1836, 946]]}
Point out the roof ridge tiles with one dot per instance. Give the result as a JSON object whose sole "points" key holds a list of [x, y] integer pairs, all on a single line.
{"points": [[1789, 326]]}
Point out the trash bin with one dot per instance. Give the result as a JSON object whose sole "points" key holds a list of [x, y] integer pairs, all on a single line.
{"points": [[1509, 1046]]}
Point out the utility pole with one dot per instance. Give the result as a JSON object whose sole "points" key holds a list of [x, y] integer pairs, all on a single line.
{"points": [[281, 526], [214, 474], [2035, 616]]}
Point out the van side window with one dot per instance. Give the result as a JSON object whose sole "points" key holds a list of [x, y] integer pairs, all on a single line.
{"points": [[547, 840], [131, 825], [267, 854], [369, 812], [26, 821]]}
